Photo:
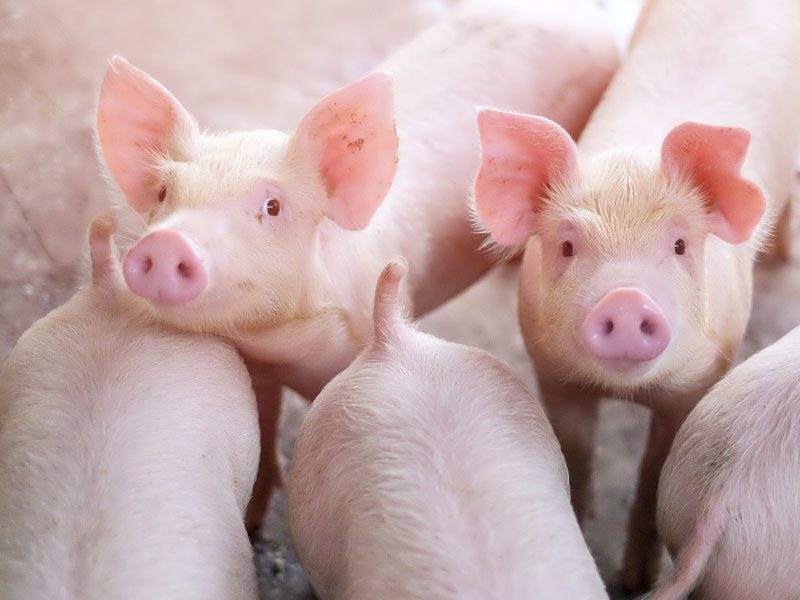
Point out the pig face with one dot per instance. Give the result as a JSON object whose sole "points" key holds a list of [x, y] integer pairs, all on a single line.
{"points": [[614, 290], [236, 222]]}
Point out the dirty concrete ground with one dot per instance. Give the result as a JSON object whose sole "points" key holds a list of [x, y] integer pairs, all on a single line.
{"points": [[248, 64]]}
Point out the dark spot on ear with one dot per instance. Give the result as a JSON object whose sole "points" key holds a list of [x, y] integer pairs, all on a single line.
{"points": [[355, 145]]}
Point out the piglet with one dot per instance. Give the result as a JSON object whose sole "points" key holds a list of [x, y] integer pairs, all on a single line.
{"points": [[428, 470], [640, 241], [275, 239], [127, 454], [728, 505]]}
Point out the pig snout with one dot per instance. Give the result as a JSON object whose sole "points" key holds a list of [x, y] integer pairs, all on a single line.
{"points": [[625, 324], [165, 267]]}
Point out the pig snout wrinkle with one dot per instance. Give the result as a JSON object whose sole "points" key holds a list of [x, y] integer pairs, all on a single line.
{"points": [[165, 268], [625, 324]]}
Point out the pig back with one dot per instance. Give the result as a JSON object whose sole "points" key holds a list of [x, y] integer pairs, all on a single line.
{"points": [[714, 62], [128, 454], [428, 470]]}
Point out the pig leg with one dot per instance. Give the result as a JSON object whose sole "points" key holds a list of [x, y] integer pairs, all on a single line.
{"points": [[642, 559], [573, 416], [268, 398]]}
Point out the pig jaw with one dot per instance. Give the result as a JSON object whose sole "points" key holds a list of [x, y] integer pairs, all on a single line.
{"points": [[565, 335], [559, 353], [228, 287]]}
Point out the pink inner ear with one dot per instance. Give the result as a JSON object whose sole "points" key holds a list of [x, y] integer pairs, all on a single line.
{"points": [[521, 156], [712, 157], [351, 138], [135, 118]]}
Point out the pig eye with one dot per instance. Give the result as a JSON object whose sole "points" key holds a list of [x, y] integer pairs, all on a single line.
{"points": [[680, 247], [567, 250], [271, 207], [162, 193]]}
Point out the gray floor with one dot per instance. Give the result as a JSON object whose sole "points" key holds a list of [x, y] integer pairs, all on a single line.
{"points": [[242, 65]]}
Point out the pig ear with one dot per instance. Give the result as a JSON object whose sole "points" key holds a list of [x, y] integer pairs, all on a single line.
{"points": [[136, 119], [711, 158], [351, 140], [522, 156]]}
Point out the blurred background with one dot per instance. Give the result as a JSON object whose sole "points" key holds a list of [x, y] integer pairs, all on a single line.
{"points": [[237, 65]]}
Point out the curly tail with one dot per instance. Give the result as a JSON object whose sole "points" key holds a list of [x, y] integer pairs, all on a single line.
{"points": [[694, 557], [104, 259], [386, 309]]}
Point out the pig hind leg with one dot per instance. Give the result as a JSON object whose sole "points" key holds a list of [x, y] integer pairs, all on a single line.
{"points": [[268, 477], [573, 416], [642, 560]]}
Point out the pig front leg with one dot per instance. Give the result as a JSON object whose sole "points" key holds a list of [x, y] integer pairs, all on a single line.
{"points": [[268, 399], [573, 415], [642, 559]]}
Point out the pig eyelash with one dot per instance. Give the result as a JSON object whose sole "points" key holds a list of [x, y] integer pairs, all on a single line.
{"points": [[270, 206]]}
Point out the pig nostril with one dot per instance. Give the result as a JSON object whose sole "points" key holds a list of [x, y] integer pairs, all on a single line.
{"points": [[647, 327], [147, 264], [184, 270], [608, 327]]}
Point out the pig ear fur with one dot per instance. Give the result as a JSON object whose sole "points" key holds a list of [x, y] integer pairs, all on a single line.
{"points": [[711, 158], [137, 120], [522, 157], [350, 136]]}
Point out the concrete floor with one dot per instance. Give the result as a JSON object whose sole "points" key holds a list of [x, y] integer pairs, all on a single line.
{"points": [[243, 65]]}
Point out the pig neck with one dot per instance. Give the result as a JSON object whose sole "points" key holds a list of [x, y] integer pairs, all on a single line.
{"points": [[333, 323]]}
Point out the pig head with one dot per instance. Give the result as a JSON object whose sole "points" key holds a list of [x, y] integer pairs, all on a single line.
{"points": [[237, 222], [618, 268]]}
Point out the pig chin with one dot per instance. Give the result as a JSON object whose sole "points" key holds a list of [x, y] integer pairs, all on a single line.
{"points": [[221, 314], [627, 366], [623, 374]]}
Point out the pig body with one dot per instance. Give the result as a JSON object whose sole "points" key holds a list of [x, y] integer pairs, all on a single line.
{"points": [[127, 455], [727, 503], [428, 470], [637, 274], [274, 240]]}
